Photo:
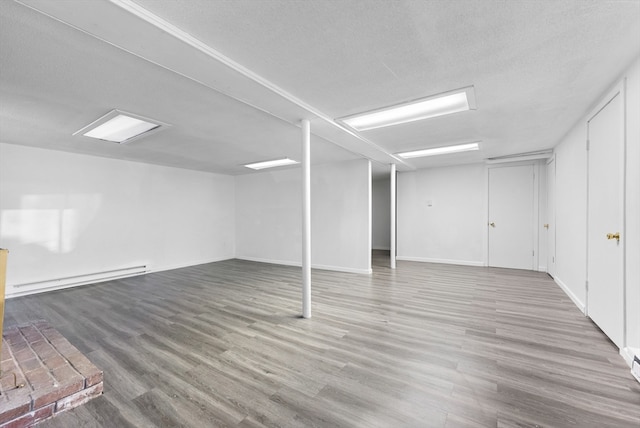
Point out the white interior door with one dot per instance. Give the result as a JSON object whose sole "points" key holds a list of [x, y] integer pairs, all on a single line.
{"points": [[605, 295], [551, 218], [511, 191]]}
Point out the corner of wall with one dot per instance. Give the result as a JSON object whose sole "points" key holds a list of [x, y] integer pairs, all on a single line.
{"points": [[571, 295]]}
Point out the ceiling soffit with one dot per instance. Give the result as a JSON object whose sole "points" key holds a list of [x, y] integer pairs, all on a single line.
{"points": [[536, 67], [124, 24]]}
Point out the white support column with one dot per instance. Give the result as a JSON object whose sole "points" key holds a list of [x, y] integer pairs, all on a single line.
{"points": [[393, 216], [306, 219]]}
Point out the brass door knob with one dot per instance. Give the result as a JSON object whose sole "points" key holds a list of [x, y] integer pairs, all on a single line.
{"points": [[615, 236], [546, 226], [492, 224]]}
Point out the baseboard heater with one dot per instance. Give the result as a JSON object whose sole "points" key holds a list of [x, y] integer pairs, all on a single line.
{"points": [[17, 290]]}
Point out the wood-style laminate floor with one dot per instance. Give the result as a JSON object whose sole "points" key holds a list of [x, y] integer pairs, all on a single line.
{"points": [[426, 345]]}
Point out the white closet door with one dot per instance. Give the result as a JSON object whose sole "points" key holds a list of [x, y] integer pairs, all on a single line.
{"points": [[605, 296], [511, 191], [551, 218]]}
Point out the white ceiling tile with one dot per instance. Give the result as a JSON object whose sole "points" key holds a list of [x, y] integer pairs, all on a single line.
{"points": [[536, 67]]}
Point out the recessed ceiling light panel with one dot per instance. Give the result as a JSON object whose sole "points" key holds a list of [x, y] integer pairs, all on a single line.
{"points": [[440, 150], [423, 108], [271, 163], [120, 127]]}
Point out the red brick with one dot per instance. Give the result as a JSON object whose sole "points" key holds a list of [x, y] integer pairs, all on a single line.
{"points": [[94, 378], [86, 368], [76, 358], [44, 413], [13, 410], [39, 378], [31, 418], [7, 382], [53, 335], [54, 362], [18, 345], [8, 365], [5, 351], [45, 396], [14, 402], [13, 336], [63, 347], [79, 398], [13, 397], [23, 354], [91, 373], [30, 364], [66, 374], [31, 333], [56, 372], [40, 324], [43, 349]]}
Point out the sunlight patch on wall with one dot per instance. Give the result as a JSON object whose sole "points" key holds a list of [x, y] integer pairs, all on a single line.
{"points": [[52, 222], [42, 227]]}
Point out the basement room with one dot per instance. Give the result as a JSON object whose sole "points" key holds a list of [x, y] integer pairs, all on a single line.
{"points": [[319, 213]]}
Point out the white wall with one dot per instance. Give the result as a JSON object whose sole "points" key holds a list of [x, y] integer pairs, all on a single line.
{"points": [[632, 200], [571, 180], [381, 214], [64, 215], [451, 229], [269, 216]]}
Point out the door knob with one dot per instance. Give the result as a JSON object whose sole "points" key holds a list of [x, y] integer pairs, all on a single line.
{"points": [[615, 236], [492, 224], [546, 226]]}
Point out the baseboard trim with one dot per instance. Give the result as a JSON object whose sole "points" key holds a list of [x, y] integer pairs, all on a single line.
{"points": [[444, 261], [343, 269], [299, 264], [569, 293], [270, 261], [189, 264]]}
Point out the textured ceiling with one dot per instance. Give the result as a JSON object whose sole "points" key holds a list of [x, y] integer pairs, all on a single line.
{"points": [[261, 66]]}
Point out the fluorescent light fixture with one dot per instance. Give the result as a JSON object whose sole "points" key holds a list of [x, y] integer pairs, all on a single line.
{"points": [[424, 108], [120, 127], [271, 163], [542, 154], [440, 151]]}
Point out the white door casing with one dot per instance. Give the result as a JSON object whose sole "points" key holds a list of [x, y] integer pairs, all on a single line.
{"points": [[605, 215], [511, 221], [550, 230]]}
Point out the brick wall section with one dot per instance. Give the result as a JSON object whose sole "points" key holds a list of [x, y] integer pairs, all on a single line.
{"points": [[55, 375]]}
